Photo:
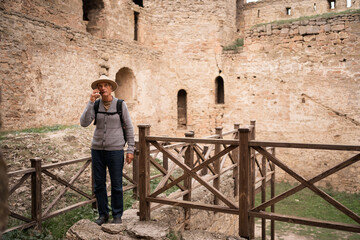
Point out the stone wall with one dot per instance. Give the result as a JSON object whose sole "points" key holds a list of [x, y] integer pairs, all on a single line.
{"points": [[300, 81], [265, 11]]}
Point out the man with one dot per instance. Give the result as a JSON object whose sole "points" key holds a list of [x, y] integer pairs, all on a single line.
{"points": [[107, 147]]}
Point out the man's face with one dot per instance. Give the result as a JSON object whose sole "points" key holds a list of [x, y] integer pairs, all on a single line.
{"points": [[105, 89]]}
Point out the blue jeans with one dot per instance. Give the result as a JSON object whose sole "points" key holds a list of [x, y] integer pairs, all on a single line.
{"points": [[114, 161]]}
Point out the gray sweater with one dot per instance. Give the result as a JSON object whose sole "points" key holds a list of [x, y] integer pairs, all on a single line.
{"points": [[108, 134]]}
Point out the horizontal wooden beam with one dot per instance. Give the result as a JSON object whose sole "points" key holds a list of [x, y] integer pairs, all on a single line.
{"points": [[306, 221], [305, 145], [192, 140], [188, 204]]}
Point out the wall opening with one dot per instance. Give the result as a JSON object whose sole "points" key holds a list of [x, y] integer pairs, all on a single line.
{"points": [[92, 13], [258, 15], [139, 2], [219, 91], [182, 109], [314, 6], [348, 3], [288, 11], [136, 25], [332, 4], [125, 79]]}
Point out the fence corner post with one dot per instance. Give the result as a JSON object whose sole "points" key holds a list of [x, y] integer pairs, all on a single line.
{"points": [[216, 183], [244, 183], [36, 193], [189, 161], [144, 172]]}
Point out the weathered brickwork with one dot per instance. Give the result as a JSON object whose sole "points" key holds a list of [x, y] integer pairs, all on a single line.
{"points": [[299, 80]]}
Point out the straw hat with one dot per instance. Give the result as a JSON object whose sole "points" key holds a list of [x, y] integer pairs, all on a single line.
{"points": [[104, 78]]}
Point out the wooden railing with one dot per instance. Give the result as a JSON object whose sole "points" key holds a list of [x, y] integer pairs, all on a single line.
{"points": [[253, 163], [40, 212]]}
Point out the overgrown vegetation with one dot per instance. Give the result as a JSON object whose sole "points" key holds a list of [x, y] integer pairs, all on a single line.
{"points": [[235, 45], [44, 129], [306, 203], [324, 15]]}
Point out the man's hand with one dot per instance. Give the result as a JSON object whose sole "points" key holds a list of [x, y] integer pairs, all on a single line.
{"points": [[129, 158]]}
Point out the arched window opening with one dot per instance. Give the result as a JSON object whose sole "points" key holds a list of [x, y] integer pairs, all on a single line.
{"points": [[139, 2], [92, 13], [182, 109], [332, 4], [219, 90], [125, 79], [136, 25]]}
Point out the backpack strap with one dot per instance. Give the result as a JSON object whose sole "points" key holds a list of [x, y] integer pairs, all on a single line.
{"points": [[119, 111], [96, 108]]}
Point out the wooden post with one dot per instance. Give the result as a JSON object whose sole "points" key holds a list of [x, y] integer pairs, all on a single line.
{"points": [[144, 172], [252, 182], [244, 182], [36, 192], [204, 171], [94, 204], [263, 196], [165, 159], [235, 156], [136, 171], [217, 163], [272, 196], [189, 161]]}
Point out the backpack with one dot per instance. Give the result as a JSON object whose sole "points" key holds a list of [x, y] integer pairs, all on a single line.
{"points": [[118, 111]]}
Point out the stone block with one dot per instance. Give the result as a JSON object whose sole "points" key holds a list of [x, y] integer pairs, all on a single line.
{"points": [[338, 28]]}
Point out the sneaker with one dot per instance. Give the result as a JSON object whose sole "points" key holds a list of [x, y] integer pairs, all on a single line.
{"points": [[101, 220], [117, 220]]}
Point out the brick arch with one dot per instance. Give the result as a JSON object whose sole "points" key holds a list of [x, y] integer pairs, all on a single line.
{"points": [[125, 79]]}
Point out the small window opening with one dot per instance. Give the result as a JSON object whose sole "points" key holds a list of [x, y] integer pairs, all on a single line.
{"points": [[136, 25], [139, 2], [182, 109], [288, 11], [348, 3], [258, 13], [332, 4], [219, 90], [314, 6], [91, 8]]}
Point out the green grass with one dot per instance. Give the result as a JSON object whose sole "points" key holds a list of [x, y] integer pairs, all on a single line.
{"points": [[306, 203], [235, 45], [325, 15], [44, 129]]}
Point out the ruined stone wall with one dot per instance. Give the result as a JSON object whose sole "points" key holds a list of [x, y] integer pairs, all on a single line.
{"points": [[46, 71], [300, 81], [265, 11]]}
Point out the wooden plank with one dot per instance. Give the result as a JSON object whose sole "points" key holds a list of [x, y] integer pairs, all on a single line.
{"points": [[192, 140], [263, 195], [64, 182], [192, 172], [305, 145], [21, 181], [72, 180], [203, 158], [244, 182], [313, 180], [60, 164], [216, 182], [20, 172], [310, 185], [20, 227], [144, 173], [307, 221], [36, 193], [66, 209], [202, 206], [18, 216]]}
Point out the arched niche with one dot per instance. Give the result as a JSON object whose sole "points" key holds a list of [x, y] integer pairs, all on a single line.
{"points": [[125, 79], [182, 109]]}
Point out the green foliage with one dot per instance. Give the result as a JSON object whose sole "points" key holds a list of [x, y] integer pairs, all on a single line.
{"points": [[235, 45], [325, 15], [306, 203], [44, 129]]}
